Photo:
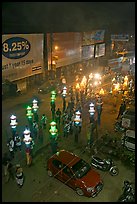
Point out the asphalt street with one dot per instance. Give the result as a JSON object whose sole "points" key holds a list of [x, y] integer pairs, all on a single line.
{"points": [[38, 187]]}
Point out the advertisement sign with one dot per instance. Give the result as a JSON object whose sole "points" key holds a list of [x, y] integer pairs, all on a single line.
{"points": [[115, 63], [22, 55], [93, 37], [100, 50], [120, 37], [88, 52]]}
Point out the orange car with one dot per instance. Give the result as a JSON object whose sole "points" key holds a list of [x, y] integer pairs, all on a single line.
{"points": [[75, 172]]}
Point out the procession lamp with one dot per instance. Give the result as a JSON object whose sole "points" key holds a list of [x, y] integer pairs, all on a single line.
{"points": [[27, 138], [64, 91], [53, 130], [29, 112], [91, 108], [53, 95], [13, 121], [77, 118], [35, 105], [101, 91], [77, 86]]}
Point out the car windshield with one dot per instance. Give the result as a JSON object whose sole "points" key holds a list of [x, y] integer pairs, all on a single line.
{"points": [[81, 168]]}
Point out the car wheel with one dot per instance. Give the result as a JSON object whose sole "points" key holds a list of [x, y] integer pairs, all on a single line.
{"points": [[79, 192], [50, 173]]}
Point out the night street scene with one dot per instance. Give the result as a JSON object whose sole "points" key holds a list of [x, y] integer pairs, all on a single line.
{"points": [[68, 102]]}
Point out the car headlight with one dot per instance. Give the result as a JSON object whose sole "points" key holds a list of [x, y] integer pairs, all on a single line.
{"points": [[90, 189]]}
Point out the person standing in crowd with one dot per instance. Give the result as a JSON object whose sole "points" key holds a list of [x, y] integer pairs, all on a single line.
{"points": [[35, 129], [121, 109], [99, 105], [76, 133], [54, 145], [64, 105], [19, 175], [44, 121], [40, 137], [5, 162], [11, 146], [28, 156], [58, 116], [66, 129], [53, 110], [18, 142]]}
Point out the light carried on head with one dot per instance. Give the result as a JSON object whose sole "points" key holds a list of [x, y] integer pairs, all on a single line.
{"points": [[29, 112], [35, 105], [91, 108], [13, 122]]}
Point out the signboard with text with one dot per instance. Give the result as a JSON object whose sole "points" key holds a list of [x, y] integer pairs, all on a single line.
{"points": [[120, 37], [93, 37], [22, 55]]}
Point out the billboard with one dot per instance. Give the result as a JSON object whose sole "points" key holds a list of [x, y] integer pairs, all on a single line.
{"points": [[22, 55], [88, 52], [93, 37], [100, 50], [120, 37], [69, 48], [115, 63]]}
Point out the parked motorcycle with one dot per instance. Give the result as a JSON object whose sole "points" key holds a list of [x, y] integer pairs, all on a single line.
{"points": [[105, 165], [128, 193], [118, 127]]}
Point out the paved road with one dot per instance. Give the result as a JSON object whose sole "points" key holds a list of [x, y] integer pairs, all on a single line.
{"points": [[38, 186]]}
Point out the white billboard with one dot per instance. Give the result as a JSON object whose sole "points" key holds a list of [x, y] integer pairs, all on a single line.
{"points": [[100, 50], [88, 52], [22, 55], [120, 37]]}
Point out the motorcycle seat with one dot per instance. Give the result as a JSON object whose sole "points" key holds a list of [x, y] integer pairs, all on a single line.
{"points": [[98, 160]]}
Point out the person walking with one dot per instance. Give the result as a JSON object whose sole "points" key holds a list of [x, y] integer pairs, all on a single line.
{"points": [[35, 129], [40, 134], [19, 175], [99, 105], [53, 110], [18, 142], [11, 146], [44, 121], [76, 133], [58, 116], [54, 145], [5, 162], [66, 129], [28, 156], [121, 109]]}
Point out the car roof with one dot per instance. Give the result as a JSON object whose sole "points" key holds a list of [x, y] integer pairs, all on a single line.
{"points": [[67, 158]]}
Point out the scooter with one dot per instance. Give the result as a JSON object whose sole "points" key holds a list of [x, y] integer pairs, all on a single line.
{"points": [[105, 165], [118, 127], [128, 193]]}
